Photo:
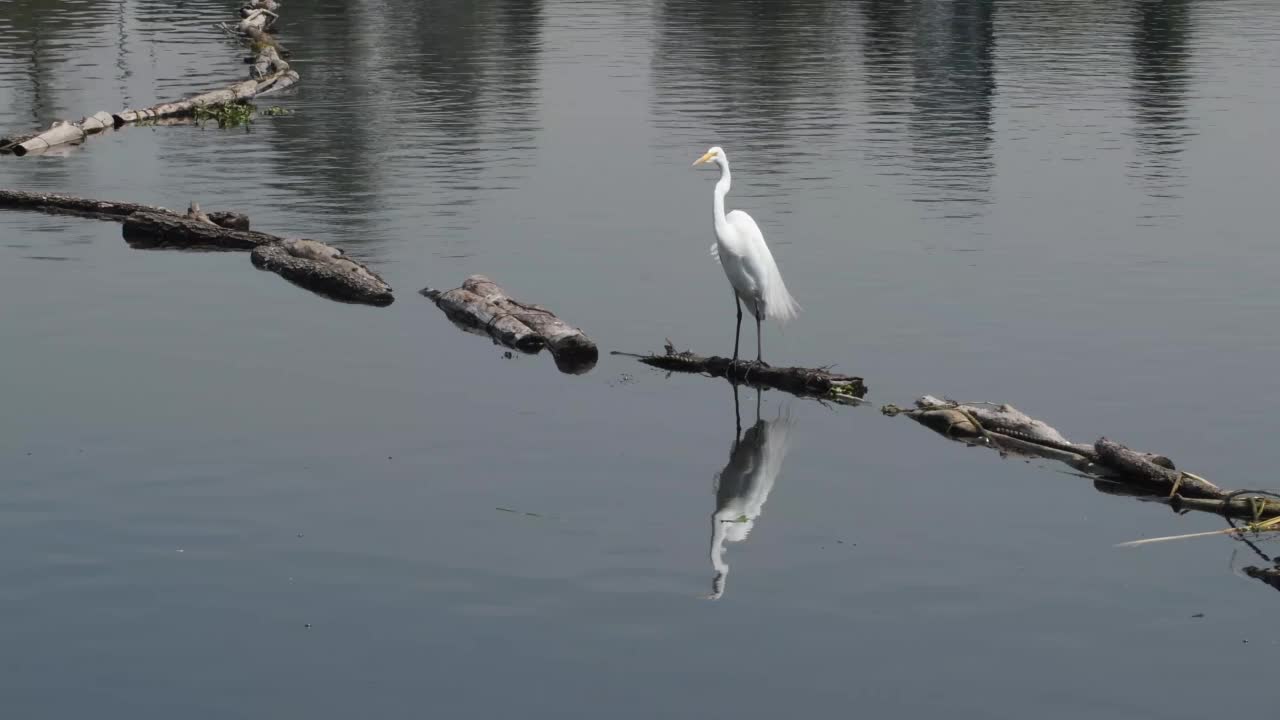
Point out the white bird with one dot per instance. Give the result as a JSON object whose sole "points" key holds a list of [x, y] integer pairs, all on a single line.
{"points": [[741, 250]]}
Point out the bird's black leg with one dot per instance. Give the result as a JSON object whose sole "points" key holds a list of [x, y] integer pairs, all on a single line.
{"points": [[737, 418], [738, 332], [759, 341]]}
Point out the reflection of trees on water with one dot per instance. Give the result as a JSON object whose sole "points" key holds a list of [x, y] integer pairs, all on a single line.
{"points": [[38, 40], [929, 69], [404, 98], [754, 75], [1161, 82]]}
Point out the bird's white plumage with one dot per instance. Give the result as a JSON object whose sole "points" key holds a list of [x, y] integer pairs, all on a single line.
{"points": [[745, 257]]}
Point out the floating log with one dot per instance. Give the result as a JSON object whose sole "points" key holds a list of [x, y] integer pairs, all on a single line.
{"points": [[1139, 469], [481, 305], [324, 270], [1118, 470], [313, 265], [8, 142], [817, 383], [169, 230], [62, 133], [59, 204], [236, 93], [278, 82]]}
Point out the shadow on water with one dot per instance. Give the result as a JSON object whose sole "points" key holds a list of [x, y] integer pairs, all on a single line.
{"points": [[743, 486], [930, 71], [1160, 86]]}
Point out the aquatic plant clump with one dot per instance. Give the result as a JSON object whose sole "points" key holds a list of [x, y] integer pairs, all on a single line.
{"points": [[228, 115]]}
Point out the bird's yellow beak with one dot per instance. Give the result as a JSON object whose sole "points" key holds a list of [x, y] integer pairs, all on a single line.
{"points": [[706, 157]]}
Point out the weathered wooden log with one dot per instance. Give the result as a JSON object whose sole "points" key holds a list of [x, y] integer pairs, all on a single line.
{"points": [[561, 338], [469, 311], [1142, 469], [257, 18], [57, 203], [266, 63], [236, 93], [64, 133], [169, 230], [259, 39], [324, 270], [481, 304], [8, 142], [818, 383], [278, 82], [1248, 507], [1004, 423]]}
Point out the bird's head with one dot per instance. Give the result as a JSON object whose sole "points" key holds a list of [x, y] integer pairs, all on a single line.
{"points": [[715, 155]]}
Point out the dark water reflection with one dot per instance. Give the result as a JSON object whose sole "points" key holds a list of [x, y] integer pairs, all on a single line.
{"points": [[225, 497], [1161, 84]]}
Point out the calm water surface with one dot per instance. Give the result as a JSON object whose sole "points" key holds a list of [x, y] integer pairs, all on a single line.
{"points": [[225, 497]]}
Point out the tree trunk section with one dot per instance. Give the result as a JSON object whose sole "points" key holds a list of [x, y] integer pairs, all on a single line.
{"points": [[156, 230], [324, 270], [64, 133], [1141, 469], [481, 306]]}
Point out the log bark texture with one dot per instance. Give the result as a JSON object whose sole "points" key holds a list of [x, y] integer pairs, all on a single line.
{"points": [[1142, 469], [819, 383], [169, 230], [324, 270], [994, 423], [236, 93], [59, 204], [480, 304]]}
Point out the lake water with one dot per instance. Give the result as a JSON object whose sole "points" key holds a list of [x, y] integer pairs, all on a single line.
{"points": [[224, 497]]}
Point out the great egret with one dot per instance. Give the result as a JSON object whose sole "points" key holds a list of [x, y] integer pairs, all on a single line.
{"points": [[741, 250]]}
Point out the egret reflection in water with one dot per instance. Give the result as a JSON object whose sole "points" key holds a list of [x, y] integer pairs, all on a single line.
{"points": [[743, 486]]}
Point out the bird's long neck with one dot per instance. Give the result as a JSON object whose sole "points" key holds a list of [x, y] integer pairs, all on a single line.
{"points": [[722, 189]]}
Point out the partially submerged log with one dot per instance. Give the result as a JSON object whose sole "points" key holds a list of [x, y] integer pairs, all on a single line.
{"points": [[169, 230], [62, 133], [324, 270], [1118, 469], [236, 93], [481, 305], [59, 204], [1144, 470], [817, 383], [313, 265]]}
